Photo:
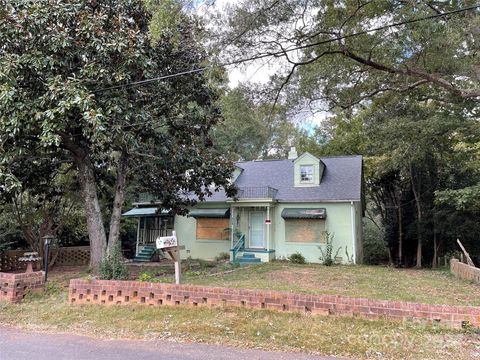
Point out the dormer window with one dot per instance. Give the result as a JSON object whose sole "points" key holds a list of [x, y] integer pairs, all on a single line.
{"points": [[306, 173], [308, 170]]}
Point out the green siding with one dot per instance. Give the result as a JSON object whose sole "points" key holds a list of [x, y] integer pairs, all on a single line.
{"points": [[185, 228], [338, 223]]}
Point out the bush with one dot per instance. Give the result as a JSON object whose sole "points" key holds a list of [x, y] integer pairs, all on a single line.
{"points": [[113, 266], [222, 256], [375, 250], [150, 276], [297, 258], [327, 259]]}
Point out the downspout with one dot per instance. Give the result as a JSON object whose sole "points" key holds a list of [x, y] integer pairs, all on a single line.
{"points": [[354, 233]]}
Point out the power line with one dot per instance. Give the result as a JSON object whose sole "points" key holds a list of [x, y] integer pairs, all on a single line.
{"points": [[285, 51]]}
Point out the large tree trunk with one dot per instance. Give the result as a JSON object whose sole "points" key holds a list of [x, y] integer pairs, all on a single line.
{"points": [[118, 202], [96, 229], [416, 194], [400, 234], [435, 242]]}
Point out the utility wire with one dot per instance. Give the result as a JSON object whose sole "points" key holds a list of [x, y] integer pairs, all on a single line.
{"points": [[285, 51]]}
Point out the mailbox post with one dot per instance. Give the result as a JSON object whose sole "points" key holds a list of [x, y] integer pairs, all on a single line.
{"points": [[169, 244]]}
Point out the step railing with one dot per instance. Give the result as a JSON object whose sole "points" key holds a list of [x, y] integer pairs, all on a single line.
{"points": [[238, 246]]}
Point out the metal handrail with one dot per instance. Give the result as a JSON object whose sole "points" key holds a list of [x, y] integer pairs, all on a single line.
{"points": [[238, 246]]}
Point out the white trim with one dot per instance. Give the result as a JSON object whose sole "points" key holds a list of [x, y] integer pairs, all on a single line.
{"points": [[354, 232], [138, 235], [246, 200], [268, 227], [308, 182]]}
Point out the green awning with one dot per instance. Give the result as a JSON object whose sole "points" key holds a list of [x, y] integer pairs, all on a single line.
{"points": [[304, 213], [210, 213], [145, 212]]}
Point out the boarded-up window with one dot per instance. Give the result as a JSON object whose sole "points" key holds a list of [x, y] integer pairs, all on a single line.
{"points": [[305, 230], [212, 229]]}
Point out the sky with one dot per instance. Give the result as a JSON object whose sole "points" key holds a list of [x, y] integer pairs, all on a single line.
{"points": [[258, 72]]}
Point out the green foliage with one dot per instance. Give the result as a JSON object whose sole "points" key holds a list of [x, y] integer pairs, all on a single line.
{"points": [[148, 276], [327, 258], [374, 250], [166, 19], [195, 273], [113, 266], [224, 256], [297, 258], [65, 98], [252, 129]]}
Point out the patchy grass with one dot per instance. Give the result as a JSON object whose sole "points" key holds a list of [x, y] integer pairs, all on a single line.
{"points": [[375, 282], [327, 335]]}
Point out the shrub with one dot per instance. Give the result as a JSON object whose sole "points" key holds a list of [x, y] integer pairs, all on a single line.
{"points": [[297, 258], [375, 251], [222, 256], [327, 259], [113, 266]]}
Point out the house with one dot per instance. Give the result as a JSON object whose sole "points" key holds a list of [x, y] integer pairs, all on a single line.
{"points": [[282, 207]]}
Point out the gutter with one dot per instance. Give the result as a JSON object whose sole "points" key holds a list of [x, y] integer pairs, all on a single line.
{"points": [[354, 233]]}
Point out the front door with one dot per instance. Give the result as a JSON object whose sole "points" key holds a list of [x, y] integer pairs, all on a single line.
{"points": [[257, 220]]}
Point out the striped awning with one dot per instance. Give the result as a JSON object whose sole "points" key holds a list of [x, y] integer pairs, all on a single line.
{"points": [[304, 213], [210, 213]]}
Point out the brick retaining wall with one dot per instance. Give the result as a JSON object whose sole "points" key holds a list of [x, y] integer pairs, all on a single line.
{"points": [[465, 271], [14, 287], [155, 294]]}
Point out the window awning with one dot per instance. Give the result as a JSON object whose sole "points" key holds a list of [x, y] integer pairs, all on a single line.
{"points": [[145, 212], [304, 213], [210, 213]]}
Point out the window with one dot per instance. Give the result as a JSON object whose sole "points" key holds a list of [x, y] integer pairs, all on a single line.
{"points": [[305, 230], [212, 229], [306, 173]]}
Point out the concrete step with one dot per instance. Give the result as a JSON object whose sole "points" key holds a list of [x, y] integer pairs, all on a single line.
{"points": [[247, 255], [248, 260]]}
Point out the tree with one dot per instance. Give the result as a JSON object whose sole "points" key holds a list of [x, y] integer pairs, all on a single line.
{"points": [[413, 152], [252, 128], [64, 91], [325, 62]]}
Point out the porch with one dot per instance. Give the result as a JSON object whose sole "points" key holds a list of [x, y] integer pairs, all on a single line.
{"points": [[152, 222], [252, 226]]}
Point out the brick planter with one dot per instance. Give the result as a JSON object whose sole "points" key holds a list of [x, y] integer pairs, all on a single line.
{"points": [[14, 287], [107, 292], [465, 271]]}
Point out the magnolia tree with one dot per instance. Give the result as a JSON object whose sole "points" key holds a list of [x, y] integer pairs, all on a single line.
{"points": [[66, 94]]}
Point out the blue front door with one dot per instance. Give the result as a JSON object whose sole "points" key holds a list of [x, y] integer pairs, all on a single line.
{"points": [[257, 226]]}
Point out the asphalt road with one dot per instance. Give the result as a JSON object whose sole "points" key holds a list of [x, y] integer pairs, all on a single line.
{"points": [[20, 344]]}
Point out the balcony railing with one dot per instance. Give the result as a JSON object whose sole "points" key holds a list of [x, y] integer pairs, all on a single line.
{"points": [[258, 192]]}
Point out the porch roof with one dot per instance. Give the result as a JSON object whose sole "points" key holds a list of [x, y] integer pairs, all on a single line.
{"points": [[304, 213], [145, 212]]}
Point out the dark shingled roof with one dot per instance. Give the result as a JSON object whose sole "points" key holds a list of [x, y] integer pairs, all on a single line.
{"points": [[342, 179]]}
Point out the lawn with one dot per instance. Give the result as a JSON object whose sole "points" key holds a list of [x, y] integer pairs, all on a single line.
{"points": [[327, 335], [375, 282]]}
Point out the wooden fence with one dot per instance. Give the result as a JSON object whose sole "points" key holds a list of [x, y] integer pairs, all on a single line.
{"points": [[67, 256]]}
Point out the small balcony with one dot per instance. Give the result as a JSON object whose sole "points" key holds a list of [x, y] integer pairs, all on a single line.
{"points": [[257, 192]]}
